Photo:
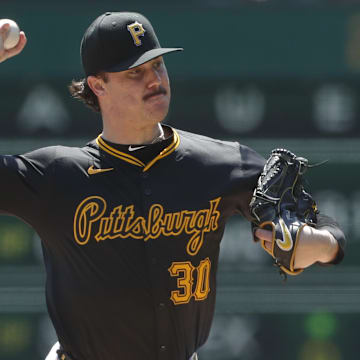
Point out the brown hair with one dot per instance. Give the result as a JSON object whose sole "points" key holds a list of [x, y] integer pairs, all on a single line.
{"points": [[81, 90]]}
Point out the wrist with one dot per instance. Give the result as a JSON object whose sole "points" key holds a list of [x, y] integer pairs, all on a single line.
{"points": [[315, 245], [330, 247]]}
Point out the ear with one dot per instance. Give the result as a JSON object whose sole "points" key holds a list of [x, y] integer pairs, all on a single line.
{"points": [[96, 84]]}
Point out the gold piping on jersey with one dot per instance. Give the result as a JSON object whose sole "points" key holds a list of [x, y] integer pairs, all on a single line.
{"points": [[119, 154], [135, 161], [90, 222], [167, 151]]}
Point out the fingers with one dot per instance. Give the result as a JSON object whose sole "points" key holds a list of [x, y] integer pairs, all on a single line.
{"points": [[263, 234], [3, 30], [19, 47], [6, 54], [266, 236]]}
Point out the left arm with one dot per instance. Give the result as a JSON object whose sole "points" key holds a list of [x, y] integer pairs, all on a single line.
{"points": [[280, 203]]}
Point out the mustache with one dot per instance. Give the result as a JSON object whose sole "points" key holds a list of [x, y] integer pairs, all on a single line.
{"points": [[161, 90]]}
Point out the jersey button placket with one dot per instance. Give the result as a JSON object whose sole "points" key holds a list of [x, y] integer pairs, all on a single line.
{"points": [[147, 191], [145, 183], [144, 174], [156, 271]]}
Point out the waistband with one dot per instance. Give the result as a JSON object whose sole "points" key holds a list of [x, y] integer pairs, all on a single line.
{"points": [[62, 355]]}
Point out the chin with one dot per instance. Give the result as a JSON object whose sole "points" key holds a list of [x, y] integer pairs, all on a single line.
{"points": [[157, 117], [158, 111]]}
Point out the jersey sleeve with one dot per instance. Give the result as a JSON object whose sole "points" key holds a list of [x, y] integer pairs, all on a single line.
{"points": [[251, 165], [25, 182]]}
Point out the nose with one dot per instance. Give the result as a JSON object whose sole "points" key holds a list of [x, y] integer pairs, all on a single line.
{"points": [[154, 78]]}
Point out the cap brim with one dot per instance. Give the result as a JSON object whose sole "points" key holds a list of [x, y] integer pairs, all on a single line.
{"points": [[149, 55]]}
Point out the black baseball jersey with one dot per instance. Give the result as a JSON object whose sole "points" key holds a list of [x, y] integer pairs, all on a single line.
{"points": [[131, 247]]}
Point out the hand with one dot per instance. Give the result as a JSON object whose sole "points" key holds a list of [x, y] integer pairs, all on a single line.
{"points": [[313, 245], [6, 54]]}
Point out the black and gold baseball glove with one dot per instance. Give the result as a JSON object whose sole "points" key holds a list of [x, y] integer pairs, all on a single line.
{"points": [[281, 204]]}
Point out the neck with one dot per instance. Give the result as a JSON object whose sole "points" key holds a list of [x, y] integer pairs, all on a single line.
{"points": [[134, 136]]}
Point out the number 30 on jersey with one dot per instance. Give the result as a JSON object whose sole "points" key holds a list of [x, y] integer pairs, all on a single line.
{"points": [[187, 274]]}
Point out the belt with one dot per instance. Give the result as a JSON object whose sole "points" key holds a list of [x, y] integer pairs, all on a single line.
{"points": [[62, 355]]}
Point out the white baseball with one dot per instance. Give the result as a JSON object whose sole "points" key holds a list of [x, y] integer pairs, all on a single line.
{"points": [[13, 34]]}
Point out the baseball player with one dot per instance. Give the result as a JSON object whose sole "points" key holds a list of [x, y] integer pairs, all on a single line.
{"points": [[131, 223]]}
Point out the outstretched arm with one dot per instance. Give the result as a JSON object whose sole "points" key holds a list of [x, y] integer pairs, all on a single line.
{"points": [[7, 54]]}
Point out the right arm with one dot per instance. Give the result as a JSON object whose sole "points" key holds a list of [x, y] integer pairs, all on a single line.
{"points": [[7, 54]]}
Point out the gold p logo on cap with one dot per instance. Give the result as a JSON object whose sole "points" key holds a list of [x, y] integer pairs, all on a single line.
{"points": [[136, 30]]}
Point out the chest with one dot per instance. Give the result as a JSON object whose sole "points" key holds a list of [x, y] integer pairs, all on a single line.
{"points": [[129, 206]]}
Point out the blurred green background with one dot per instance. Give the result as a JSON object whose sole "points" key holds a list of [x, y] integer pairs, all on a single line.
{"points": [[269, 74]]}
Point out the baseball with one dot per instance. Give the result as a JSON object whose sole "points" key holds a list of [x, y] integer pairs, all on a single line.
{"points": [[13, 35]]}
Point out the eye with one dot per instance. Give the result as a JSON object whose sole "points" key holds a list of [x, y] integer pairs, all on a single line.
{"points": [[135, 71], [158, 64]]}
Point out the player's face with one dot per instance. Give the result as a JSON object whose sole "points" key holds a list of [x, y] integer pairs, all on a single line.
{"points": [[141, 93]]}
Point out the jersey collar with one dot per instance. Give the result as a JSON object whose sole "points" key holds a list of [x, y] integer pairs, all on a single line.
{"points": [[132, 159]]}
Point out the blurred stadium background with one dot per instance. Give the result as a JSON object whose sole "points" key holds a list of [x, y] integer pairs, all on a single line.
{"points": [[269, 74]]}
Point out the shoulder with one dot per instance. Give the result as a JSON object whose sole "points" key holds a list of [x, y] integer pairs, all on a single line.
{"points": [[201, 140], [54, 155], [216, 149]]}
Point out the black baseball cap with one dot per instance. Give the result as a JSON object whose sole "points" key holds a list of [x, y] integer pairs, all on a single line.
{"points": [[118, 41]]}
